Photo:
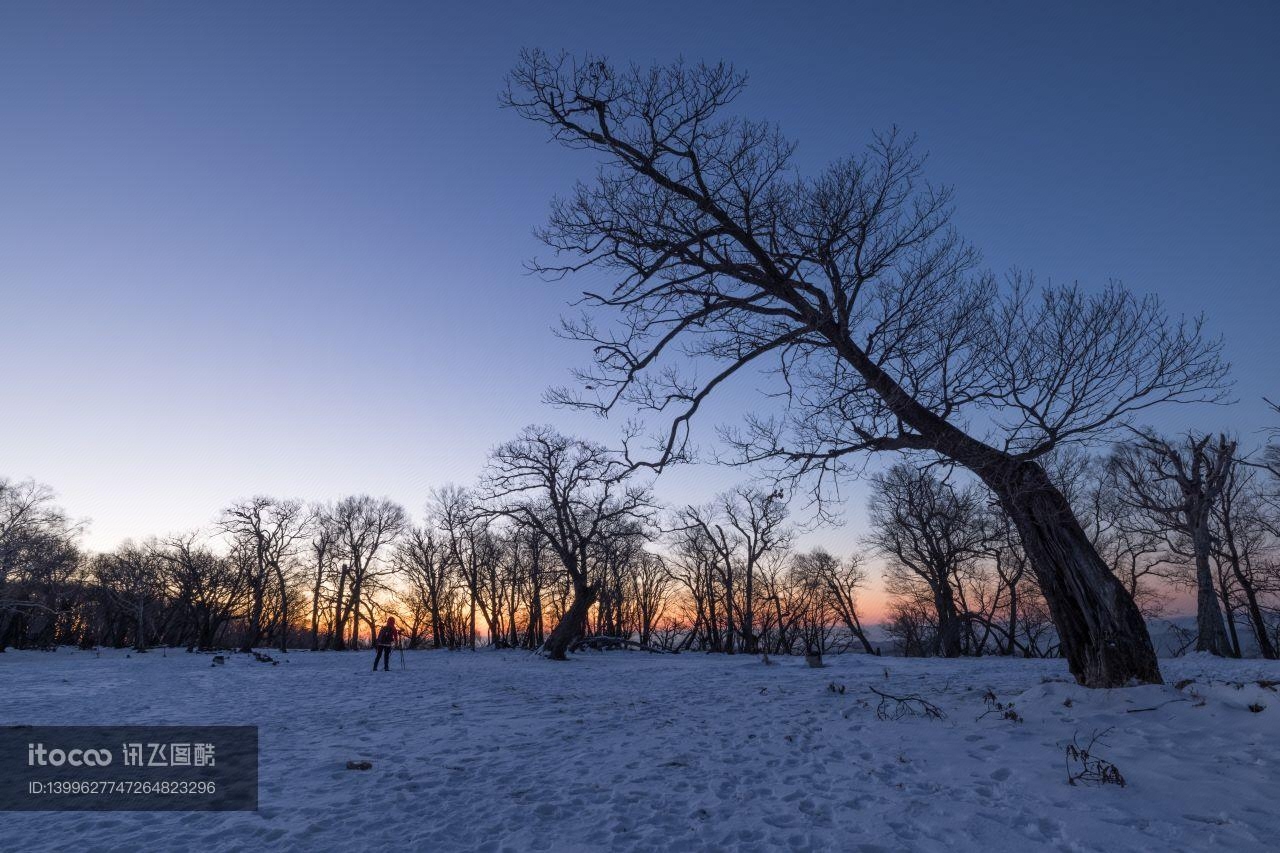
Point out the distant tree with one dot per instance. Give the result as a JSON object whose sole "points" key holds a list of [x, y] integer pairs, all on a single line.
{"points": [[1002, 548], [571, 491], [424, 561], [1271, 453], [650, 581], [471, 548], [884, 334], [364, 525], [693, 567], [38, 552], [1240, 539], [1128, 539], [757, 518], [1179, 485], [131, 578], [208, 588], [614, 560], [931, 532], [323, 548], [270, 531], [841, 581], [737, 530]]}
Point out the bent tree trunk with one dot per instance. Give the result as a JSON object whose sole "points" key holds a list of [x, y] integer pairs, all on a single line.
{"points": [[570, 626], [1100, 630]]}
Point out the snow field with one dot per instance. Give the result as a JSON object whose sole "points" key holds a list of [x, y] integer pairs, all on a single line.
{"points": [[618, 751]]}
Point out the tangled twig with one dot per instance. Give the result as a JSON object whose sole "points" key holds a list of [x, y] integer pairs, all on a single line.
{"points": [[1091, 768], [896, 707]]}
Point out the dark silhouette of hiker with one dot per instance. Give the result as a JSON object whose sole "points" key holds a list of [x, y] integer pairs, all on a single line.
{"points": [[386, 639]]}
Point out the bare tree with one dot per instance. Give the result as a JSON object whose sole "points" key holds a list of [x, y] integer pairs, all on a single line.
{"points": [[1241, 533], [736, 531], [1271, 453], [1179, 485], [650, 582], [571, 491], [693, 566], [757, 517], [131, 576], [1128, 540], [323, 551], [209, 588], [470, 548], [271, 530], [37, 550], [931, 532], [422, 558], [710, 547], [842, 581], [884, 334], [364, 526]]}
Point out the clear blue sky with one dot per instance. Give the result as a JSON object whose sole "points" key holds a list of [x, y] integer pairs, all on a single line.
{"points": [[277, 247]]}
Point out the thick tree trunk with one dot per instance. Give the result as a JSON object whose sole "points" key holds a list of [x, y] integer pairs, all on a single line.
{"points": [[254, 629], [315, 614], [569, 628], [1211, 631], [140, 641], [1100, 630], [356, 582], [471, 591], [948, 643], [750, 643], [337, 632]]}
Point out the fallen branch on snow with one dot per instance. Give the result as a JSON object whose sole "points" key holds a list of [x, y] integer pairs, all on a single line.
{"points": [[604, 644], [1156, 707], [1091, 768], [896, 707]]}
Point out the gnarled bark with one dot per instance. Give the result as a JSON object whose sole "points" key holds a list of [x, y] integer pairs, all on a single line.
{"points": [[571, 625], [1100, 630]]}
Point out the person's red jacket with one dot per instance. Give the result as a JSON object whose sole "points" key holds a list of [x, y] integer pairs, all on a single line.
{"points": [[388, 635]]}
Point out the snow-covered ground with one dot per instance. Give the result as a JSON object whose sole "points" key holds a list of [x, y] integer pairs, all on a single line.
{"points": [[628, 751]]}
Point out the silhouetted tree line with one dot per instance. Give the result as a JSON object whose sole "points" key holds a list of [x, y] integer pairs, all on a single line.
{"points": [[560, 541], [548, 548]]}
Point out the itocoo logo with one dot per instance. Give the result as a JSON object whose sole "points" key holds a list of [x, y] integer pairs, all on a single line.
{"points": [[38, 756]]}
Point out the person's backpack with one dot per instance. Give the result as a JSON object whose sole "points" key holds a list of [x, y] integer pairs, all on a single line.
{"points": [[384, 636]]}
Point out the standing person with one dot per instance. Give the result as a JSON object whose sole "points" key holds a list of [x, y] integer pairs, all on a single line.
{"points": [[387, 638]]}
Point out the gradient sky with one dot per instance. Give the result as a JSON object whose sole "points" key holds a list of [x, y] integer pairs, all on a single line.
{"points": [[277, 247]]}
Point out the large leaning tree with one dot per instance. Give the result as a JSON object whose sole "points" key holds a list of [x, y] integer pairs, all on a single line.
{"points": [[853, 287]]}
